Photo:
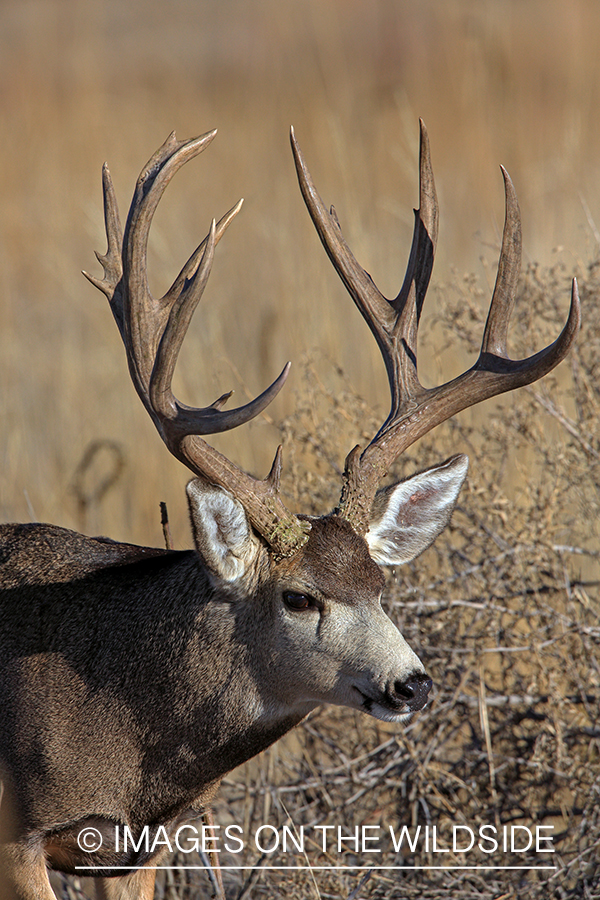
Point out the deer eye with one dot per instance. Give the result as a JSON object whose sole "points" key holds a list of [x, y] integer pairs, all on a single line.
{"points": [[297, 601]]}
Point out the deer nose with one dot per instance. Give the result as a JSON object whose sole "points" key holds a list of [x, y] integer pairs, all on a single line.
{"points": [[414, 690]]}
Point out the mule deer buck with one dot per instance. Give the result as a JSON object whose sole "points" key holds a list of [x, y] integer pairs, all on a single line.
{"points": [[133, 679]]}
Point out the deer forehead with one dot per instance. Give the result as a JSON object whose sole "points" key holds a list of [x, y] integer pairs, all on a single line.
{"points": [[335, 562]]}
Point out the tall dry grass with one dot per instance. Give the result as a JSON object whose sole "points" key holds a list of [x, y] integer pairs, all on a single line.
{"points": [[86, 81], [505, 610]]}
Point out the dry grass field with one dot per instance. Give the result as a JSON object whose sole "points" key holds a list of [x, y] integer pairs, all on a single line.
{"points": [[504, 609]]}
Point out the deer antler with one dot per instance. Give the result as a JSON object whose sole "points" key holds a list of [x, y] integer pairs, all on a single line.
{"points": [[415, 410], [153, 331]]}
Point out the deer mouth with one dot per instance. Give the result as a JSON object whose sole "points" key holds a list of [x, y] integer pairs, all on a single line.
{"points": [[384, 708]]}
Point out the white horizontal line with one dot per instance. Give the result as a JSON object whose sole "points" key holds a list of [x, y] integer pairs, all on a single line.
{"points": [[311, 868]]}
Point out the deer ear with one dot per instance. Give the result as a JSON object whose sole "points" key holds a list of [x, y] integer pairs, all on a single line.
{"points": [[222, 533], [407, 517]]}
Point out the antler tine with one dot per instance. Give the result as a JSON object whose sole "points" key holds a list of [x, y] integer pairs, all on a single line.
{"points": [[153, 331], [145, 317], [402, 367], [189, 268], [425, 233], [509, 267], [415, 409], [374, 307], [110, 261]]}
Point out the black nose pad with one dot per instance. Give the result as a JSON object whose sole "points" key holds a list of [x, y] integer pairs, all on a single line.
{"points": [[414, 690]]}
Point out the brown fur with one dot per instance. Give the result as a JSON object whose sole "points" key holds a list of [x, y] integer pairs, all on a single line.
{"points": [[131, 680]]}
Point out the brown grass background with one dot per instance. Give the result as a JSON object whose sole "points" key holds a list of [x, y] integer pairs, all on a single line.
{"points": [[497, 81]]}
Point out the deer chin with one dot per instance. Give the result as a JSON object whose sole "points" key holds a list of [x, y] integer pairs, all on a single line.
{"points": [[382, 710]]}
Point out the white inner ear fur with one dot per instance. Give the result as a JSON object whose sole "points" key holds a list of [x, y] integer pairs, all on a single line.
{"points": [[407, 517], [222, 533]]}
